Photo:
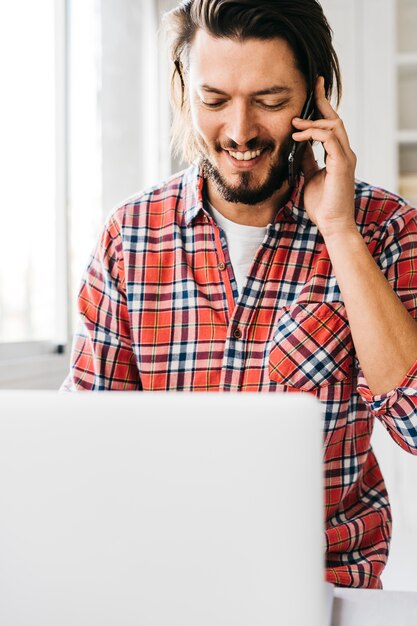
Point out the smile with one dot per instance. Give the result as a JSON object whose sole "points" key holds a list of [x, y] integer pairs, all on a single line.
{"points": [[245, 156]]}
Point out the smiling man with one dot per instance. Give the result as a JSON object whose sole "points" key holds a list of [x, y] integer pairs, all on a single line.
{"points": [[242, 140], [226, 277]]}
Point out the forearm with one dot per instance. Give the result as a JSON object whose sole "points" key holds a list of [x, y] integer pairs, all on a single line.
{"points": [[383, 332]]}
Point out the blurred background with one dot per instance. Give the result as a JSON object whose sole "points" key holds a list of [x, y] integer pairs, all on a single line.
{"points": [[85, 123]]}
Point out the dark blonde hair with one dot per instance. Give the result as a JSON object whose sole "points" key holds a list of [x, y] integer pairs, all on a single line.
{"points": [[301, 23]]}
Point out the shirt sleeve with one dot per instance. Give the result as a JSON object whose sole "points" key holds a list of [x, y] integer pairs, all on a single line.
{"points": [[102, 356], [397, 409]]}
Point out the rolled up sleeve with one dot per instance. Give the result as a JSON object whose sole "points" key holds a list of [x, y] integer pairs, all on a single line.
{"points": [[396, 409], [397, 259]]}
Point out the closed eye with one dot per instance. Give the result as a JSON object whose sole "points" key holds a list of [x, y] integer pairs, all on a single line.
{"points": [[213, 105], [272, 106], [276, 106]]}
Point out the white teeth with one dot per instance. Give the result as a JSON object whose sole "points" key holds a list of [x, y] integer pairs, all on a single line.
{"points": [[245, 156]]}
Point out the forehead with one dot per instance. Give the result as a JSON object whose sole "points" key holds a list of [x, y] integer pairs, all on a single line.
{"points": [[250, 64]]}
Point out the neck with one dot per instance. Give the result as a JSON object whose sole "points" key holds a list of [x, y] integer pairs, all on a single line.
{"points": [[260, 214]]}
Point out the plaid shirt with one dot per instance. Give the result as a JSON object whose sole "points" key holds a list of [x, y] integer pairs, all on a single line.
{"points": [[160, 311]]}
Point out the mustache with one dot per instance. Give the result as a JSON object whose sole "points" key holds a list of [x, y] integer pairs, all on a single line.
{"points": [[252, 144]]}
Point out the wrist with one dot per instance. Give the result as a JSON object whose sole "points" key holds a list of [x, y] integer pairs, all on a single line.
{"points": [[348, 241], [339, 232]]}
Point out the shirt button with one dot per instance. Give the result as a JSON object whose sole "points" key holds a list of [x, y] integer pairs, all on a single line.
{"points": [[221, 266], [237, 333]]}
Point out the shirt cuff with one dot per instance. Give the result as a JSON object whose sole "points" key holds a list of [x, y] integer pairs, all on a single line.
{"points": [[384, 403]]}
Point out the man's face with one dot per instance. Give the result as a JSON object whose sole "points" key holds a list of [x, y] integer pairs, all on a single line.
{"points": [[243, 96]]}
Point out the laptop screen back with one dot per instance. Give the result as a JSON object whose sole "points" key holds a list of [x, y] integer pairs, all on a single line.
{"points": [[160, 509]]}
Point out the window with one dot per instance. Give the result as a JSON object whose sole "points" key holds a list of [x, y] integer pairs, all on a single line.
{"points": [[28, 165], [50, 151], [80, 128]]}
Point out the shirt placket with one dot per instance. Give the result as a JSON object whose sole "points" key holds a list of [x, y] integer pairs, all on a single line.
{"points": [[241, 311]]}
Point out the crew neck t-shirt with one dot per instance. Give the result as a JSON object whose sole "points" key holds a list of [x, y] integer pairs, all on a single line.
{"points": [[242, 242]]}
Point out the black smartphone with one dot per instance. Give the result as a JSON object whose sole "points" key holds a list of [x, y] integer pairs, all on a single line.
{"points": [[296, 148]]}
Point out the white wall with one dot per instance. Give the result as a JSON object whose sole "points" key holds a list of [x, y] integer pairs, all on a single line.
{"points": [[129, 98], [364, 38]]}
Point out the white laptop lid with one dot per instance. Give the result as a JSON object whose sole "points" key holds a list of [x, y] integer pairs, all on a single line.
{"points": [[172, 509]]}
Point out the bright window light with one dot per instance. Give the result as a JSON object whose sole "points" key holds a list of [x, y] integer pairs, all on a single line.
{"points": [[27, 166]]}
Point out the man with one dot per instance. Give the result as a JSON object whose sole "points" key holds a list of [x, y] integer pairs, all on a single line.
{"points": [[226, 278]]}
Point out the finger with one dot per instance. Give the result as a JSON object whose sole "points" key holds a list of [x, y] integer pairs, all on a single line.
{"points": [[335, 125], [322, 104], [324, 124], [309, 164], [330, 142]]}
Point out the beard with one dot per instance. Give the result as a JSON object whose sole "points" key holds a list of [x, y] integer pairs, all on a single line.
{"points": [[246, 191]]}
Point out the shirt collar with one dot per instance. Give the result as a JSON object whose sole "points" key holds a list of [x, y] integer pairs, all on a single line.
{"points": [[293, 209], [193, 194], [194, 200]]}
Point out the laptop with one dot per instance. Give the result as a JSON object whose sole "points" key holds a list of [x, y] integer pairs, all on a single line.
{"points": [[161, 509]]}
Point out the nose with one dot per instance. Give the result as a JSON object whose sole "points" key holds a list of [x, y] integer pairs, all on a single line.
{"points": [[241, 125]]}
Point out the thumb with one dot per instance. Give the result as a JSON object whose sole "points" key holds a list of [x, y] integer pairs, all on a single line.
{"points": [[309, 164]]}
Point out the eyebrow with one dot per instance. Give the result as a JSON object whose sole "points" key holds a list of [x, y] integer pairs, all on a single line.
{"points": [[274, 90]]}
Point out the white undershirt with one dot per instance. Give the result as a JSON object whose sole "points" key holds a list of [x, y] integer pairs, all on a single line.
{"points": [[242, 243]]}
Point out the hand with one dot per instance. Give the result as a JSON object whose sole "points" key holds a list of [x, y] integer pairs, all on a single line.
{"points": [[329, 192]]}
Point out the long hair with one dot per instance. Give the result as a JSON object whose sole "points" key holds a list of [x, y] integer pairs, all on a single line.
{"points": [[301, 23]]}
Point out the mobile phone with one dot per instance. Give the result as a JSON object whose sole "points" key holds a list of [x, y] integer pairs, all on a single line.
{"points": [[296, 148]]}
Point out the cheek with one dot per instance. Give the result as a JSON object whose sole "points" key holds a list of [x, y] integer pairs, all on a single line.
{"points": [[281, 133], [204, 124], [283, 128]]}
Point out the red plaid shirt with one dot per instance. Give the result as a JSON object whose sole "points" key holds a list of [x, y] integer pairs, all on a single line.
{"points": [[160, 311]]}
